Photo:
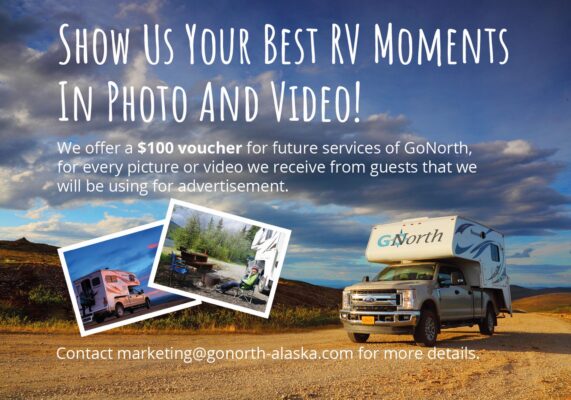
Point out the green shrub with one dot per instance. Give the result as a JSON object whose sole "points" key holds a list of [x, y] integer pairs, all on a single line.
{"points": [[45, 296]]}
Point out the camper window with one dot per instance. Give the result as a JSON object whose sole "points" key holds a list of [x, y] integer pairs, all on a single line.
{"points": [[95, 282], [495, 253], [131, 277], [111, 278]]}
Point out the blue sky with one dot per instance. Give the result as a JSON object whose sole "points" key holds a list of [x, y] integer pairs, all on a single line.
{"points": [[516, 117], [134, 253]]}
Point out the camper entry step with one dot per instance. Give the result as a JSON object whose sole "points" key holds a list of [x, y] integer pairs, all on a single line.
{"points": [[86, 319]]}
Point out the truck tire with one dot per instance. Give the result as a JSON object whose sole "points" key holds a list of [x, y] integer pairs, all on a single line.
{"points": [[119, 310], [262, 287], [487, 324], [147, 303], [426, 330], [358, 337]]}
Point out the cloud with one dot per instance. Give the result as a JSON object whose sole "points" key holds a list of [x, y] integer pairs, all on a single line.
{"points": [[13, 30], [151, 8], [526, 253], [36, 213], [515, 177]]}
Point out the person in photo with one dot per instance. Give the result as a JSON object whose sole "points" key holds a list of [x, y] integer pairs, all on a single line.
{"points": [[247, 281]]}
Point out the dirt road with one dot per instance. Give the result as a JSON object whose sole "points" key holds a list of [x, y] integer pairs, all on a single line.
{"points": [[528, 358]]}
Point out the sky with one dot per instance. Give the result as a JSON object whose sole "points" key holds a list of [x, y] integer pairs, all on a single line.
{"points": [[134, 252], [516, 118]]}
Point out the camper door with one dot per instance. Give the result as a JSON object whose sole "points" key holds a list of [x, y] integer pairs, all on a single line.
{"points": [[94, 291]]}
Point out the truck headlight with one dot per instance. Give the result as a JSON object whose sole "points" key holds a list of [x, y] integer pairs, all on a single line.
{"points": [[407, 298], [346, 303]]}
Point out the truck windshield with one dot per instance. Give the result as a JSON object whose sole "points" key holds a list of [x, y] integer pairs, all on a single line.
{"points": [[416, 272]]}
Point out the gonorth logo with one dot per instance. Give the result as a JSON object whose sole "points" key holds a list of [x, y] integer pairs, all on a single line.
{"points": [[404, 238]]}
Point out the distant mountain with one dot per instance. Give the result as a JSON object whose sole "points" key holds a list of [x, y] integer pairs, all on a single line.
{"points": [[172, 227], [24, 245], [520, 292]]}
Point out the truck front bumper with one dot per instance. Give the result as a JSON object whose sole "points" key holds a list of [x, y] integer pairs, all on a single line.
{"points": [[379, 321]]}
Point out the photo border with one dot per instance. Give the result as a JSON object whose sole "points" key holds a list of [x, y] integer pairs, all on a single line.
{"points": [[205, 299], [129, 321]]}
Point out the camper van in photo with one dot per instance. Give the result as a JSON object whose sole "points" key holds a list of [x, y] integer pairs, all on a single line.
{"points": [[267, 243], [440, 273], [106, 292]]}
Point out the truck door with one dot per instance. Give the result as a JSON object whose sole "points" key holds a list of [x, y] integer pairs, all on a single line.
{"points": [[455, 300], [135, 297]]}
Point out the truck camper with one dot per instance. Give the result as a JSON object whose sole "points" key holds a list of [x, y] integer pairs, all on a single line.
{"points": [[440, 272], [106, 292]]}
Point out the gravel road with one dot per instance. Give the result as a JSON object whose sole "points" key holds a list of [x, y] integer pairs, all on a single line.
{"points": [[528, 358]]}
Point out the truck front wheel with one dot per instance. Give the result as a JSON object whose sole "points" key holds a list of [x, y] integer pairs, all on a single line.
{"points": [[119, 310], [487, 324], [426, 330], [358, 337]]}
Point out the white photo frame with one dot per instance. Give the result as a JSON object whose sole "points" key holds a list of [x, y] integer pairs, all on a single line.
{"points": [[201, 209]]}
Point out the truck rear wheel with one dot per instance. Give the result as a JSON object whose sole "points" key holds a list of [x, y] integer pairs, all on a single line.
{"points": [[119, 310], [426, 330], [147, 303], [358, 337], [487, 324]]}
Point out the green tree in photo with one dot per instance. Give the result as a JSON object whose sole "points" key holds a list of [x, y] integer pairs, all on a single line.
{"points": [[215, 240], [188, 236]]}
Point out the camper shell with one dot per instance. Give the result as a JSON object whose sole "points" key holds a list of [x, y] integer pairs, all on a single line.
{"points": [[441, 272], [267, 244], [109, 292]]}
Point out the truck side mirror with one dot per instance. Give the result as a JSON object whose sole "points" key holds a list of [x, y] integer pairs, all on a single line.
{"points": [[366, 278], [456, 278]]}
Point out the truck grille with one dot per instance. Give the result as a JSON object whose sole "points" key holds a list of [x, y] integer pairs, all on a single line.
{"points": [[377, 300], [373, 291], [374, 308]]}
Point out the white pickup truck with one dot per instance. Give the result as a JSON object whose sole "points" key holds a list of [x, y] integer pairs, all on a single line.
{"points": [[441, 272]]}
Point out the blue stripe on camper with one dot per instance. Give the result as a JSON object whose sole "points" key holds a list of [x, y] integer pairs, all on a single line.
{"points": [[479, 249], [463, 227], [459, 249]]}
